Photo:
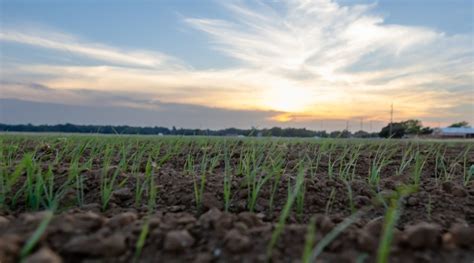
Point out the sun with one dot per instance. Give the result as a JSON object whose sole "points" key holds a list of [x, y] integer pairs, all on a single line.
{"points": [[287, 99]]}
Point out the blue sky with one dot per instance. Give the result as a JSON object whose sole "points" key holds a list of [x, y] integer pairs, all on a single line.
{"points": [[159, 24], [222, 48]]}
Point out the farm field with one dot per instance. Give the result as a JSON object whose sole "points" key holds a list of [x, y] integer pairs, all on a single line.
{"points": [[74, 198]]}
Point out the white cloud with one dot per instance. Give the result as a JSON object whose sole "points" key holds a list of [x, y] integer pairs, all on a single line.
{"points": [[67, 43]]}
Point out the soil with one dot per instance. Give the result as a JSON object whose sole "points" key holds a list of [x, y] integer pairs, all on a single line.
{"points": [[436, 222]]}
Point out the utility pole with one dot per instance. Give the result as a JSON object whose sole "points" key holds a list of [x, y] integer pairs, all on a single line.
{"points": [[391, 120], [347, 125]]}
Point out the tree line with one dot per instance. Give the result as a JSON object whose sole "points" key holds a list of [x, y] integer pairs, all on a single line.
{"points": [[125, 129], [392, 130]]}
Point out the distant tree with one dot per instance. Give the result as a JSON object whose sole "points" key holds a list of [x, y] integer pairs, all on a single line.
{"points": [[361, 134], [461, 124], [398, 130], [340, 134], [426, 131], [412, 126]]}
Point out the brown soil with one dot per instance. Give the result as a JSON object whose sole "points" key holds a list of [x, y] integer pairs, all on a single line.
{"points": [[436, 223]]}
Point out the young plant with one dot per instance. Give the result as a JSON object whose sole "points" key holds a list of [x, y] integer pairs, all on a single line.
{"points": [[350, 197], [141, 185], [107, 183], [333, 234], [35, 237], [277, 170], [292, 193], [391, 217], [418, 169], [199, 181], [330, 201], [310, 241], [468, 172], [407, 158], [141, 240], [380, 161], [227, 181], [300, 201], [429, 208]]}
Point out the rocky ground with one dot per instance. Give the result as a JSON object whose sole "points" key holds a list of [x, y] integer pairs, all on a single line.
{"points": [[436, 222]]}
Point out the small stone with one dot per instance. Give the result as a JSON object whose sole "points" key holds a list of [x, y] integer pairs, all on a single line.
{"points": [[209, 201], [236, 242], [114, 245], [325, 224], [185, 219], [459, 192], [448, 242], [447, 186], [366, 242], [225, 222], [44, 255], [10, 245], [250, 219], [79, 222], [178, 240], [94, 207], [154, 222], [176, 208], [387, 194], [4, 221], [412, 201], [122, 219], [423, 235], [374, 227], [389, 184], [241, 227], [33, 218], [210, 218], [361, 201], [463, 236], [203, 258], [96, 245], [123, 193]]}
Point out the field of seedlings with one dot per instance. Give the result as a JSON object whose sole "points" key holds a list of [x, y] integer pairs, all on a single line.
{"points": [[71, 198]]}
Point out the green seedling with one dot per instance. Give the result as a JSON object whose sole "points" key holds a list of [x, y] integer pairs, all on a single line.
{"points": [[35, 237]]}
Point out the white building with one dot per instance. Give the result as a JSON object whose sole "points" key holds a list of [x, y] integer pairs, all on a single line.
{"points": [[462, 132]]}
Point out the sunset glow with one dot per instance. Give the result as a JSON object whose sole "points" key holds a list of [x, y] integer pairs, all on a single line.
{"points": [[297, 61]]}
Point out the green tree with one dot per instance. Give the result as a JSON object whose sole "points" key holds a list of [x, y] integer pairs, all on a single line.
{"points": [[461, 124], [398, 130], [412, 126]]}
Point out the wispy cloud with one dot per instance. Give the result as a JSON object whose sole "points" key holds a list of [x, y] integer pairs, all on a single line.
{"points": [[306, 60], [68, 43]]}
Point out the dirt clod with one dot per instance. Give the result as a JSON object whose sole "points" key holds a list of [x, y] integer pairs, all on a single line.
{"points": [[122, 219], [4, 221], [209, 201], [459, 192], [462, 236], [236, 242], [178, 240], [96, 245], [43, 255], [203, 258], [209, 219], [250, 219], [423, 235], [123, 193]]}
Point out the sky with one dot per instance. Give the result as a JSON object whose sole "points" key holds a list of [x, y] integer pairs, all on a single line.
{"points": [[318, 64]]}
